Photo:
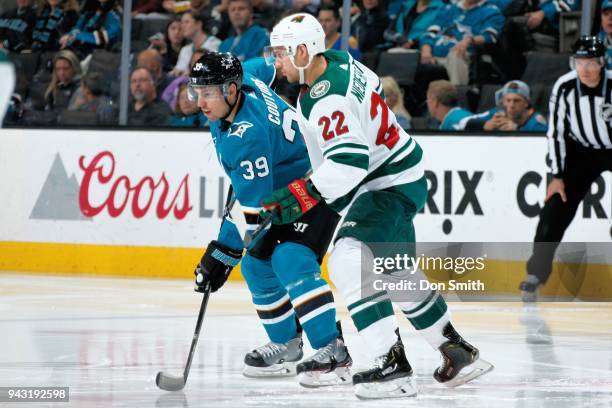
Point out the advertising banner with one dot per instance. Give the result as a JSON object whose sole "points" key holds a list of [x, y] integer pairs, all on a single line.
{"points": [[139, 199]]}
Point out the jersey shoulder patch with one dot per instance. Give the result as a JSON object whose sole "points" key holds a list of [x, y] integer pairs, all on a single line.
{"points": [[540, 118], [320, 89], [239, 129]]}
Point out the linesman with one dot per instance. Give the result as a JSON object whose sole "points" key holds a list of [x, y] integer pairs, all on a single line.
{"points": [[580, 149]]}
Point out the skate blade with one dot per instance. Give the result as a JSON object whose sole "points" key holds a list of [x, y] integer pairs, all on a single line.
{"points": [[286, 369], [316, 379], [399, 388], [478, 368]]}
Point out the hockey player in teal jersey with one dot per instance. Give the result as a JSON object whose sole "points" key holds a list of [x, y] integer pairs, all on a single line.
{"points": [[259, 145]]}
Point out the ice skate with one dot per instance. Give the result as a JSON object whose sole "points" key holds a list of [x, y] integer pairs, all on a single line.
{"points": [[330, 365], [391, 378], [461, 362], [274, 359], [529, 289]]}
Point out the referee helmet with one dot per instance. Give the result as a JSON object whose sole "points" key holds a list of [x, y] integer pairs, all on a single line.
{"points": [[587, 47]]}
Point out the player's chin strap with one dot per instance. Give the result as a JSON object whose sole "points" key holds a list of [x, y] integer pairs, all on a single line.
{"points": [[230, 105], [301, 69]]}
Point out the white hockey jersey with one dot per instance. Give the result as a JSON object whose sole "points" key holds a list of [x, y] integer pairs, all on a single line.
{"points": [[354, 141]]}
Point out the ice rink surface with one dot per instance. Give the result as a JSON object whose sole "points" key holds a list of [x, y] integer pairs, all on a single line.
{"points": [[107, 338]]}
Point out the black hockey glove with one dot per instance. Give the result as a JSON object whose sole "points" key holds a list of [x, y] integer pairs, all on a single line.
{"points": [[215, 266]]}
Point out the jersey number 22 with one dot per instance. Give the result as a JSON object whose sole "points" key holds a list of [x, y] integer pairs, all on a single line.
{"points": [[386, 135]]}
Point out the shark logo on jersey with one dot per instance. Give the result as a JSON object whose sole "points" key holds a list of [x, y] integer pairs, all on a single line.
{"points": [[238, 129], [606, 112], [320, 89]]}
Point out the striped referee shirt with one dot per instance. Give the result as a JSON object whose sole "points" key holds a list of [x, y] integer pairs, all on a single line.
{"points": [[579, 113]]}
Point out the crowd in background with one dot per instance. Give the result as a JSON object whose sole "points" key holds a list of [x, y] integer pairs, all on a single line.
{"points": [[469, 72]]}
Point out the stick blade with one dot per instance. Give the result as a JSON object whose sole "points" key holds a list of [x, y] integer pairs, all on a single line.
{"points": [[170, 382]]}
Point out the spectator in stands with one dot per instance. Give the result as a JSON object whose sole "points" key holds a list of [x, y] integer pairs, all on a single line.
{"points": [[99, 26], [265, 13], [308, 6], [55, 18], [216, 9], [146, 109], [170, 94], [176, 7], [450, 42], [413, 19], [394, 97], [194, 28], [249, 39], [513, 112], [546, 17], [197, 6], [442, 104], [90, 97], [65, 81], [140, 8], [329, 17], [186, 112], [605, 35], [16, 27], [370, 26], [169, 44], [538, 17], [208, 7], [152, 59]]}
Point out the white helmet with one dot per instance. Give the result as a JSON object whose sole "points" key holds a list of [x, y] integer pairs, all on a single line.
{"points": [[291, 31]]}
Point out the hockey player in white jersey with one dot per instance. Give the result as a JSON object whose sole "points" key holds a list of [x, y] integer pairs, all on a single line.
{"points": [[371, 171]]}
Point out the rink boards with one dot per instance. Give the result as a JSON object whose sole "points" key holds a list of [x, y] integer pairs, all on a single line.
{"points": [[135, 203]]}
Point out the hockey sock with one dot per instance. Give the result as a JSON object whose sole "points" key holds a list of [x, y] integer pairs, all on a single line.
{"points": [[297, 268], [372, 315]]}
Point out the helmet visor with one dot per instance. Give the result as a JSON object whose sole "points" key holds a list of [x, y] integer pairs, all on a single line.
{"points": [[206, 92], [272, 53], [586, 63]]}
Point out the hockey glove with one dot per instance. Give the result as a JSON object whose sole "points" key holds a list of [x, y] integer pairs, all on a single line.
{"points": [[215, 266], [289, 203]]}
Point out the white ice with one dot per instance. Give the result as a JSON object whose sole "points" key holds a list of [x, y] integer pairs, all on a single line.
{"points": [[107, 338]]}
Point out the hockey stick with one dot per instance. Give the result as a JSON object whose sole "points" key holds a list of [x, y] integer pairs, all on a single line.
{"points": [[248, 239], [169, 382]]}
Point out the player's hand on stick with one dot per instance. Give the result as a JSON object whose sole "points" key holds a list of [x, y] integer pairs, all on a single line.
{"points": [[556, 186], [290, 203], [215, 266]]}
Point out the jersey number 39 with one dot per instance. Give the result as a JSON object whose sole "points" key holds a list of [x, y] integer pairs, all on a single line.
{"points": [[261, 165]]}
